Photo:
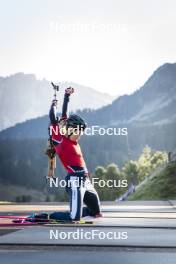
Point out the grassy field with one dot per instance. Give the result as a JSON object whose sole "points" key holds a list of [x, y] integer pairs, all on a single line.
{"points": [[161, 187]]}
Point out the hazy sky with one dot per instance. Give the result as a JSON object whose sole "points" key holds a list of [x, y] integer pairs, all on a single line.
{"points": [[110, 45]]}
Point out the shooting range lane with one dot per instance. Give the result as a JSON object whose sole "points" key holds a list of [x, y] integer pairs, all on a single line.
{"points": [[102, 255], [150, 224], [125, 206]]}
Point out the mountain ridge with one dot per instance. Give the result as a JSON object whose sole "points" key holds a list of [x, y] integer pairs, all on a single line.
{"points": [[154, 95], [139, 108], [24, 97]]}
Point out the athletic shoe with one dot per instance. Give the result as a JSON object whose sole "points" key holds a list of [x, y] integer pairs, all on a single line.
{"points": [[44, 217]]}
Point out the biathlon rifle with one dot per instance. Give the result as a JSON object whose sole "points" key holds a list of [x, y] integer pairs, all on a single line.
{"points": [[56, 89], [50, 151]]}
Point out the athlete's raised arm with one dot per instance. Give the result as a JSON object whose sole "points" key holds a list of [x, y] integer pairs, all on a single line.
{"points": [[68, 92]]}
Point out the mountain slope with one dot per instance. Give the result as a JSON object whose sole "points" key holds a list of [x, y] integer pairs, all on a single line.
{"points": [[149, 110], [154, 102], [160, 187], [24, 97]]}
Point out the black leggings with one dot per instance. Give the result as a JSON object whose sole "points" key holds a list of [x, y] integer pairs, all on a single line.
{"points": [[81, 191]]}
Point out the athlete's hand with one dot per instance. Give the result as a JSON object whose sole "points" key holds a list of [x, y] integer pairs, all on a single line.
{"points": [[55, 102], [69, 90]]}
